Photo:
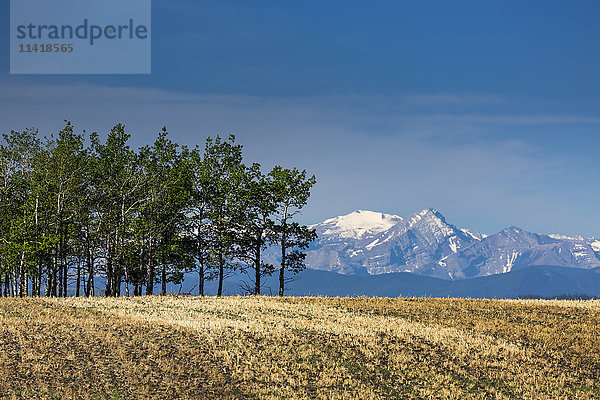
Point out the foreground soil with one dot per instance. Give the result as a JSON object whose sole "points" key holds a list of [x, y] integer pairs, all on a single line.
{"points": [[261, 347]]}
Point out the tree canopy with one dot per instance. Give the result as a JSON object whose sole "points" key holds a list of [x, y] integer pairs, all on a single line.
{"points": [[74, 208]]}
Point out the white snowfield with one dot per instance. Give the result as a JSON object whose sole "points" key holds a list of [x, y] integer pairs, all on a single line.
{"points": [[358, 224]]}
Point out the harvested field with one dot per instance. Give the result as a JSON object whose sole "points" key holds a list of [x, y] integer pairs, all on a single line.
{"points": [[280, 348]]}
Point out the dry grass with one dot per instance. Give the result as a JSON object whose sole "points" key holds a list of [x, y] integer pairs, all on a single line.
{"points": [[249, 347]]}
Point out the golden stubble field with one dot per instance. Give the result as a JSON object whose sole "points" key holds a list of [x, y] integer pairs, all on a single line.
{"points": [[286, 348]]}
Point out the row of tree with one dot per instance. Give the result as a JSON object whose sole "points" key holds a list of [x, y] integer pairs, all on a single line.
{"points": [[73, 208]]}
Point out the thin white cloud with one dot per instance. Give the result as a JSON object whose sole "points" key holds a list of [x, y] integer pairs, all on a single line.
{"points": [[515, 119]]}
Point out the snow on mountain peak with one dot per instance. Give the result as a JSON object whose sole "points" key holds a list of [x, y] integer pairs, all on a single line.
{"points": [[565, 237], [475, 235], [431, 218], [358, 223], [426, 213], [512, 230]]}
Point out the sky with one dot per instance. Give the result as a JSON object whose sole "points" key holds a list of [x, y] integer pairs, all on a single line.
{"points": [[488, 111]]}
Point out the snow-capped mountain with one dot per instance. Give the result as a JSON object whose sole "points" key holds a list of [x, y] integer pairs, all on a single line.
{"points": [[342, 240], [356, 225], [366, 242]]}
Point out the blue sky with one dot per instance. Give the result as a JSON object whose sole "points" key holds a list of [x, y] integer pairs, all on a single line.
{"points": [[487, 111]]}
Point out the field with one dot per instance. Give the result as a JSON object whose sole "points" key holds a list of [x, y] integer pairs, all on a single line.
{"points": [[271, 348]]}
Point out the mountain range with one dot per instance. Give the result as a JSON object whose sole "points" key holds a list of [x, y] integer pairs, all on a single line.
{"points": [[367, 253], [373, 243], [538, 281]]}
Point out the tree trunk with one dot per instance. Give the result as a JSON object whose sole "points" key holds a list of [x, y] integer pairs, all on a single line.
{"points": [[15, 284], [200, 269], [60, 272], [163, 280], [109, 278], [283, 248], [139, 282], [201, 278], [62, 262], [48, 281], [52, 282], [221, 273], [257, 270], [281, 278], [150, 273], [88, 263], [281, 282], [91, 287], [163, 276], [84, 284], [65, 276], [78, 277], [23, 284], [126, 270], [107, 290], [39, 280], [116, 285], [65, 285], [90, 292], [22, 279]]}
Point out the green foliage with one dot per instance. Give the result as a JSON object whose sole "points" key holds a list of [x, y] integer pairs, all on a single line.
{"points": [[73, 206], [291, 191]]}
